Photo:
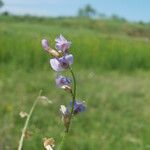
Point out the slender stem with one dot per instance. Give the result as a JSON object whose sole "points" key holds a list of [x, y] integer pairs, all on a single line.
{"points": [[27, 122], [73, 94], [73, 99], [62, 141], [74, 83]]}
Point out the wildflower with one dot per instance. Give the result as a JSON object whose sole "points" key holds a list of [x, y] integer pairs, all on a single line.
{"points": [[60, 64], [61, 80], [64, 83], [49, 50], [49, 143], [78, 107], [62, 44]]}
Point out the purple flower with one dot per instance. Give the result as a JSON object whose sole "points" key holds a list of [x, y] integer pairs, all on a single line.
{"points": [[61, 81], [60, 64], [45, 44], [78, 107], [62, 44]]}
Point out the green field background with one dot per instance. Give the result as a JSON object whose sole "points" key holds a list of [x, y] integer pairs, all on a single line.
{"points": [[111, 64]]}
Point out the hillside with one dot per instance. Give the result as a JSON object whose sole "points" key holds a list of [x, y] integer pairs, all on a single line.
{"points": [[106, 43]]}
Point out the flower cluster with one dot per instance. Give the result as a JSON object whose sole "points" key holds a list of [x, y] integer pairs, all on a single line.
{"points": [[61, 61]]}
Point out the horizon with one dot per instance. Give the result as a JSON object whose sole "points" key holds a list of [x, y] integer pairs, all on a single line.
{"points": [[127, 9]]}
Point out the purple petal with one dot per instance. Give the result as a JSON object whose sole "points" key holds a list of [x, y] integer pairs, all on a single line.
{"points": [[60, 38], [62, 44], [69, 58], [61, 81], [66, 61], [78, 107], [45, 44], [62, 63], [58, 46], [55, 64]]}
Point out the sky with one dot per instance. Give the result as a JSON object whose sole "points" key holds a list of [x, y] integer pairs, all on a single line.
{"points": [[132, 10]]}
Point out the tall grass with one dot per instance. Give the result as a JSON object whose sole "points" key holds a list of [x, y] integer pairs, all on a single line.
{"points": [[20, 46]]}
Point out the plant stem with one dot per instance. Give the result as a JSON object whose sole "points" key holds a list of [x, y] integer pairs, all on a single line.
{"points": [[73, 94], [27, 122], [73, 99], [74, 83], [62, 141]]}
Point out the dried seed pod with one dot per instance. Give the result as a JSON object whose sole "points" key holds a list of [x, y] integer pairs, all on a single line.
{"points": [[48, 143]]}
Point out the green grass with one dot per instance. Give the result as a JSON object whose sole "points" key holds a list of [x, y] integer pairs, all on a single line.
{"points": [[112, 71], [21, 45], [117, 115]]}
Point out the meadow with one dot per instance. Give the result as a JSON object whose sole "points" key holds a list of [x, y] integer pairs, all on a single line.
{"points": [[112, 62]]}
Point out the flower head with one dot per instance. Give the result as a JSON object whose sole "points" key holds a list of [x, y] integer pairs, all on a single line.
{"points": [[78, 107], [63, 82], [62, 63], [62, 44]]}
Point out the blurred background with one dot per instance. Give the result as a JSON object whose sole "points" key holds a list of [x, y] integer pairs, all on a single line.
{"points": [[111, 47]]}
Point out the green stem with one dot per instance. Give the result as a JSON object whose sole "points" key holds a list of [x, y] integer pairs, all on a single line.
{"points": [[62, 141], [27, 122], [73, 94], [74, 83], [73, 99]]}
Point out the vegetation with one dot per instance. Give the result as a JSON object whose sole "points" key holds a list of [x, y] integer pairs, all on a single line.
{"points": [[106, 44], [87, 11], [112, 65], [1, 3]]}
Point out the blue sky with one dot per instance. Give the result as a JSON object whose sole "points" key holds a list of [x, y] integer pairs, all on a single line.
{"points": [[133, 10]]}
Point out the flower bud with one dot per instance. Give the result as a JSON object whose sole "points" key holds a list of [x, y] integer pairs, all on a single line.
{"points": [[45, 44]]}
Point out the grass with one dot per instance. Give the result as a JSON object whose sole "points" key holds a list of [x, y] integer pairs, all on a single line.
{"points": [[21, 46], [117, 113], [112, 71]]}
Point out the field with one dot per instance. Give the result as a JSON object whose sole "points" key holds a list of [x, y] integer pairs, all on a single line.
{"points": [[112, 62]]}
